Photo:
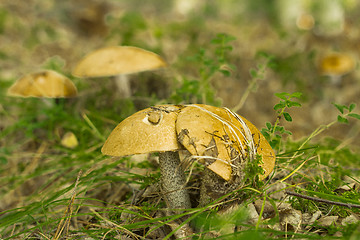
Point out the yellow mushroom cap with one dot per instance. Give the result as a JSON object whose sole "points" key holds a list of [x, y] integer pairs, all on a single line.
{"points": [[149, 130], [47, 83], [116, 60], [336, 64], [216, 132], [69, 140], [305, 21]]}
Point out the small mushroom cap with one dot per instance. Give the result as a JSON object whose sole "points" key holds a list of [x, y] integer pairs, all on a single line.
{"points": [[305, 21], [149, 130], [69, 140], [47, 83], [217, 132], [336, 64], [116, 60]]}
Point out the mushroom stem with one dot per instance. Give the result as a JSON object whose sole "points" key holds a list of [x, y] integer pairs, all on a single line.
{"points": [[123, 85], [212, 187], [173, 181], [335, 79]]}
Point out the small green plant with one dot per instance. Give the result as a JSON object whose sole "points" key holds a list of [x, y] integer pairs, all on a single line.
{"points": [[200, 90], [274, 132], [342, 118], [55, 63], [253, 170], [256, 74], [342, 109]]}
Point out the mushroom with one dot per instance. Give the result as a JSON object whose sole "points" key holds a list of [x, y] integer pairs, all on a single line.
{"points": [[153, 130], [118, 61], [69, 140], [305, 21], [224, 142], [43, 84], [219, 138], [335, 65]]}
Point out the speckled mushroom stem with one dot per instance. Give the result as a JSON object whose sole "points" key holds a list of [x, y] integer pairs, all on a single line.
{"points": [[173, 181], [212, 187]]}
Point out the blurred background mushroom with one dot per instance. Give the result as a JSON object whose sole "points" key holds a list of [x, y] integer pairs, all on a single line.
{"points": [[335, 65], [305, 21], [118, 61], [43, 84], [49, 86], [69, 140]]}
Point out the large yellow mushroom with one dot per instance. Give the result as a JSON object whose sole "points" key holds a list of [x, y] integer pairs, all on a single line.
{"points": [[217, 137]]}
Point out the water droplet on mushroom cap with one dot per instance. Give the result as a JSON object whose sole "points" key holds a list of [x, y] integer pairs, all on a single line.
{"points": [[149, 130]]}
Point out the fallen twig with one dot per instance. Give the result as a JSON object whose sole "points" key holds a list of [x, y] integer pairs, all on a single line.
{"points": [[349, 205]]}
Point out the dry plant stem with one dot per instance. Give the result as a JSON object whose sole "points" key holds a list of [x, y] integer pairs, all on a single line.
{"points": [[248, 90], [349, 205], [64, 223], [173, 181], [123, 85]]}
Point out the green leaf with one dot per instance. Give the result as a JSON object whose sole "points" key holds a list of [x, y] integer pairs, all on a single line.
{"points": [[273, 143], [354, 115], [340, 107], [222, 38], [280, 129], [279, 106], [352, 107], [282, 95], [231, 66], [253, 73], [226, 48], [296, 95], [288, 132], [228, 38], [268, 125], [287, 117], [265, 133], [342, 119], [225, 72], [3, 160], [262, 54], [216, 41], [293, 104]]}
